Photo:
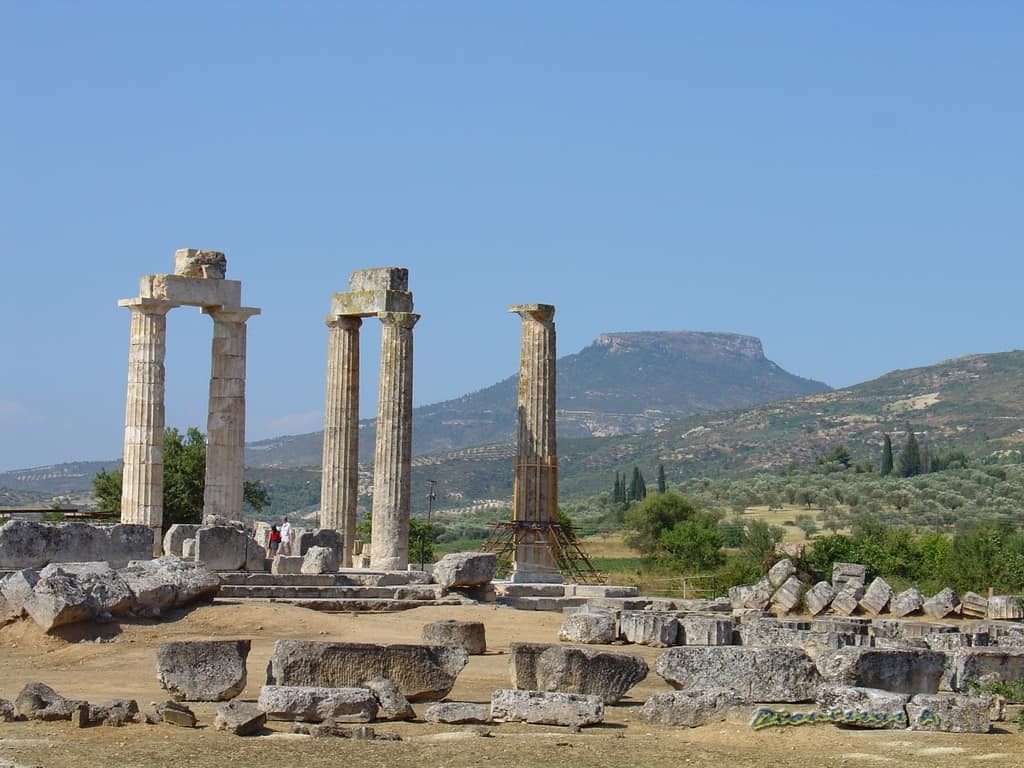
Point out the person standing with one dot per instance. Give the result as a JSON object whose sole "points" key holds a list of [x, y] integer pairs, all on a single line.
{"points": [[286, 537], [273, 542]]}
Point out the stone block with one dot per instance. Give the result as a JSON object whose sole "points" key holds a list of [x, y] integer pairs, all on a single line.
{"points": [[1005, 607], [379, 279], [313, 704], [240, 718], [7, 713], [38, 701], [255, 556], [941, 605], [752, 674], [787, 596], [574, 669], [697, 629], [188, 549], [192, 291], [546, 708], [876, 597], [768, 632], [754, 596], [30, 544], [847, 600], [819, 597], [370, 302], [457, 712], [973, 606], [847, 574], [463, 634], [391, 704], [420, 671], [984, 665], [176, 536], [66, 593], [591, 628], [864, 707], [319, 537], [465, 569], [658, 630], [202, 670], [287, 565], [897, 670], [168, 582], [192, 262], [779, 573], [952, 713], [321, 560], [222, 548], [906, 603], [176, 713], [687, 708]]}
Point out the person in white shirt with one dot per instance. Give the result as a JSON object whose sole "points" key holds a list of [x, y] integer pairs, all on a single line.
{"points": [[286, 537]]}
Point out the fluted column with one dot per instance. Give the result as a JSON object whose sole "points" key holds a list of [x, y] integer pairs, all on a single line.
{"points": [[339, 478], [392, 468], [225, 425], [535, 493], [142, 486]]}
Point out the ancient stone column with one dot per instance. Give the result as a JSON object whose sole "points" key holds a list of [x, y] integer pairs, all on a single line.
{"points": [[339, 479], [142, 489], [535, 490], [392, 469], [225, 425]]}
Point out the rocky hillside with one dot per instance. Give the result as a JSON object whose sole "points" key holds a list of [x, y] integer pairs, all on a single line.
{"points": [[623, 383]]}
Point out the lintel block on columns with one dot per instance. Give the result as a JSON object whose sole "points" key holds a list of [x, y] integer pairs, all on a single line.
{"points": [[192, 291]]}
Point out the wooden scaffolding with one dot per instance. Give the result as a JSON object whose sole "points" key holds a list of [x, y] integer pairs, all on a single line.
{"points": [[571, 559]]}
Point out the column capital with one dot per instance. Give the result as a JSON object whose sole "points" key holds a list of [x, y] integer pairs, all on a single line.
{"points": [[400, 319], [540, 312], [237, 315], [345, 322], [148, 306]]}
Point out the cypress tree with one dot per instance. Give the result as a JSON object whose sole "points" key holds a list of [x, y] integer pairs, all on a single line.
{"points": [[662, 486], [637, 486], [886, 468], [910, 456], [617, 495]]}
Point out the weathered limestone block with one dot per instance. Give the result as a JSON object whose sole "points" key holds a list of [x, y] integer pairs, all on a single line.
{"points": [[819, 597], [391, 704], [168, 582], [864, 707], [574, 669], [546, 708], [7, 713], [847, 574], [313, 704], [287, 564], [176, 713], [768, 632], [192, 291], [898, 670], [38, 701], [116, 712], [847, 600], [591, 628], [1005, 607], [222, 547], [751, 595], [688, 708], [240, 718], [458, 712], [319, 537], [192, 262], [419, 671], [984, 665], [906, 602], [464, 634], [188, 549], [973, 605], [787, 596], [779, 573], [66, 593], [321, 560], [465, 569], [255, 556], [942, 604], [876, 597], [28, 544], [697, 629], [176, 536], [952, 713], [752, 674], [948, 641], [202, 670], [658, 630]]}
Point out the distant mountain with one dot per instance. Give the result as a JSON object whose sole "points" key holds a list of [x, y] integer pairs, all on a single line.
{"points": [[623, 383]]}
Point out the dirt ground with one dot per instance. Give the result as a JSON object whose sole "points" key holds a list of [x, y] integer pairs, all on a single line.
{"points": [[78, 667]]}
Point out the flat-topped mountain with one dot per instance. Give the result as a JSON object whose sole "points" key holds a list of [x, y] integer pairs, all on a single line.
{"points": [[621, 384]]}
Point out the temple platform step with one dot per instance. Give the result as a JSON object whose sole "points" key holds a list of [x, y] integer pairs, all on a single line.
{"points": [[321, 592], [347, 604]]}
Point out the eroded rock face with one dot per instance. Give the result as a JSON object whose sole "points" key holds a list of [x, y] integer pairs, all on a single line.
{"points": [[751, 674], [192, 262], [203, 670], [591, 628], [688, 708], [546, 708], [574, 669], [985, 665], [890, 669], [465, 569], [421, 672], [315, 704]]}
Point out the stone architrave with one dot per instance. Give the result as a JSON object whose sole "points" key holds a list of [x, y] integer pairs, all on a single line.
{"points": [[392, 468], [535, 484], [198, 281], [339, 484]]}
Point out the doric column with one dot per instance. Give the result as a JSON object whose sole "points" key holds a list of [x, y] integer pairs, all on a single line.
{"points": [[142, 487], [535, 493], [392, 468], [339, 479], [225, 425]]}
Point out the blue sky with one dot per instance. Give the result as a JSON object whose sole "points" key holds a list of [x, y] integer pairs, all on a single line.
{"points": [[843, 181]]}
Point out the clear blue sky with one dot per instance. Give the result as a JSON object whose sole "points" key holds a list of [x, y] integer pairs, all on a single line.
{"points": [[843, 181]]}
